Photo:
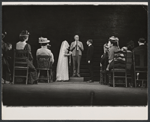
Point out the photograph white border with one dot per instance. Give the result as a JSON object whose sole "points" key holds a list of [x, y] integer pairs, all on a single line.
{"points": [[75, 113]]}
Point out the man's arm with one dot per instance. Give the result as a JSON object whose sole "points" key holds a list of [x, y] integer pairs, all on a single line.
{"points": [[81, 46]]}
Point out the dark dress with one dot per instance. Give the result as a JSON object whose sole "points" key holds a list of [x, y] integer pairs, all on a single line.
{"points": [[32, 76], [6, 73]]}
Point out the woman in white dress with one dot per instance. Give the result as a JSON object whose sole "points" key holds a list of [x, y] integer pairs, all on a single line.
{"points": [[62, 73]]}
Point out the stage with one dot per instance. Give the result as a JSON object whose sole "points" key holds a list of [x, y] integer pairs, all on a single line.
{"points": [[72, 94]]}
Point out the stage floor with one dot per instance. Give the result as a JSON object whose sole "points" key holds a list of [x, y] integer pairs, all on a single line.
{"points": [[72, 94]]}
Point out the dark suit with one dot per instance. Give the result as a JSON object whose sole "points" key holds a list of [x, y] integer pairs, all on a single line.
{"points": [[142, 47], [90, 53]]}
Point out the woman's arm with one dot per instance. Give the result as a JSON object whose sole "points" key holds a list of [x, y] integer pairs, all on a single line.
{"points": [[68, 54]]}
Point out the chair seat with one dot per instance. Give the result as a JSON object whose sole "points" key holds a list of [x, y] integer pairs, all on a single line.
{"points": [[119, 76], [43, 69], [119, 70], [140, 71], [142, 79], [20, 62], [21, 76]]}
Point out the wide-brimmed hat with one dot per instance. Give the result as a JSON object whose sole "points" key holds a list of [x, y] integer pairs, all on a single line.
{"points": [[142, 40], [43, 40], [24, 33]]}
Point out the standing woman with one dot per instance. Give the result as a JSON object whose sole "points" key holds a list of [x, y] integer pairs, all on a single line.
{"points": [[23, 45], [62, 73]]}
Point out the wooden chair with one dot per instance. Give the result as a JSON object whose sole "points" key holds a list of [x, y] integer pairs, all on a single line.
{"points": [[43, 63], [129, 63], [119, 68], [140, 66], [20, 64]]}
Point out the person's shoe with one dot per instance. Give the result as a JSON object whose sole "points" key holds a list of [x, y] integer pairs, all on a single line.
{"points": [[78, 75], [74, 75]]}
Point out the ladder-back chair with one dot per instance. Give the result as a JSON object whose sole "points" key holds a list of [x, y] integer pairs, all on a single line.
{"points": [[20, 64], [119, 70], [140, 66], [44, 63]]}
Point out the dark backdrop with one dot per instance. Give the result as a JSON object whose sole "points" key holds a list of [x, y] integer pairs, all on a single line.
{"points": [[62, 22]]}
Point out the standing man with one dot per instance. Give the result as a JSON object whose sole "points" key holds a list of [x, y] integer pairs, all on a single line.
{"points": [[90, 53], [76, 48]]}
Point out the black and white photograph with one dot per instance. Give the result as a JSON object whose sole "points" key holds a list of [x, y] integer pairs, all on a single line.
{"points": [[74, 54]]}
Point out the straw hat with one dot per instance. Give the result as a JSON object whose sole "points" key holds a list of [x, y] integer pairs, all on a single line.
{"points": [[43, 40], [113, 39]]}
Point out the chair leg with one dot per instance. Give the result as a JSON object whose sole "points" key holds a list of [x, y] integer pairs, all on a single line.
{"points": [[113, 80], [135, 79], [39, 74], [14, 76], [51, 76], [126, 79], [142, 83], [104, 77], [48, 75], [27, 76], [101, 78]]}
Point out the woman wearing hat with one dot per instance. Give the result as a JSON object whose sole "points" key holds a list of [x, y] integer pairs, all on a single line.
{"points": [[23, 45], [44, 48], [113, 47]]}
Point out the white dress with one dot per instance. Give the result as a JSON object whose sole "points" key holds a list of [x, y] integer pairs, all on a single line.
{"points": [[62, 65]]}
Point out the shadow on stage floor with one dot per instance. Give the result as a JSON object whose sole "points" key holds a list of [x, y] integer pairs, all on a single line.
{"points": [[72, 94]]}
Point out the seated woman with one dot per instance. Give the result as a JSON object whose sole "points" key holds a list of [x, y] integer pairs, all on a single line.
{"points": [[23, 45], [44, 48], [113, 47], [6, 72], [45, 51]]}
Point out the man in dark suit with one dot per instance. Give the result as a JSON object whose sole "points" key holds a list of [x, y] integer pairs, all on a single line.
{"points": [[90, 53], [142, 45]]}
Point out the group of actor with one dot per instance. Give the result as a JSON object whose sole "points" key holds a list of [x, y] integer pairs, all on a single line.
{"points": [[66, 52]]}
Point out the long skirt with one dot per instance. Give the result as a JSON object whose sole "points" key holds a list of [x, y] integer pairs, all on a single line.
{"points": [[32, 76]]}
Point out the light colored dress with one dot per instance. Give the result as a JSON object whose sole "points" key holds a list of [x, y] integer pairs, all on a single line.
{"points": [[62, 73]]}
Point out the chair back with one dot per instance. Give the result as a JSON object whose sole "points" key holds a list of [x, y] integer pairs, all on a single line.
{"points": [[120, 60], [44, 62], [129, 60], [140, 59], [20, 58]]}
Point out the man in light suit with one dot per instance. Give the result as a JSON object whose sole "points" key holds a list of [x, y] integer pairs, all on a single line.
{"points": [[76, 48]]}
